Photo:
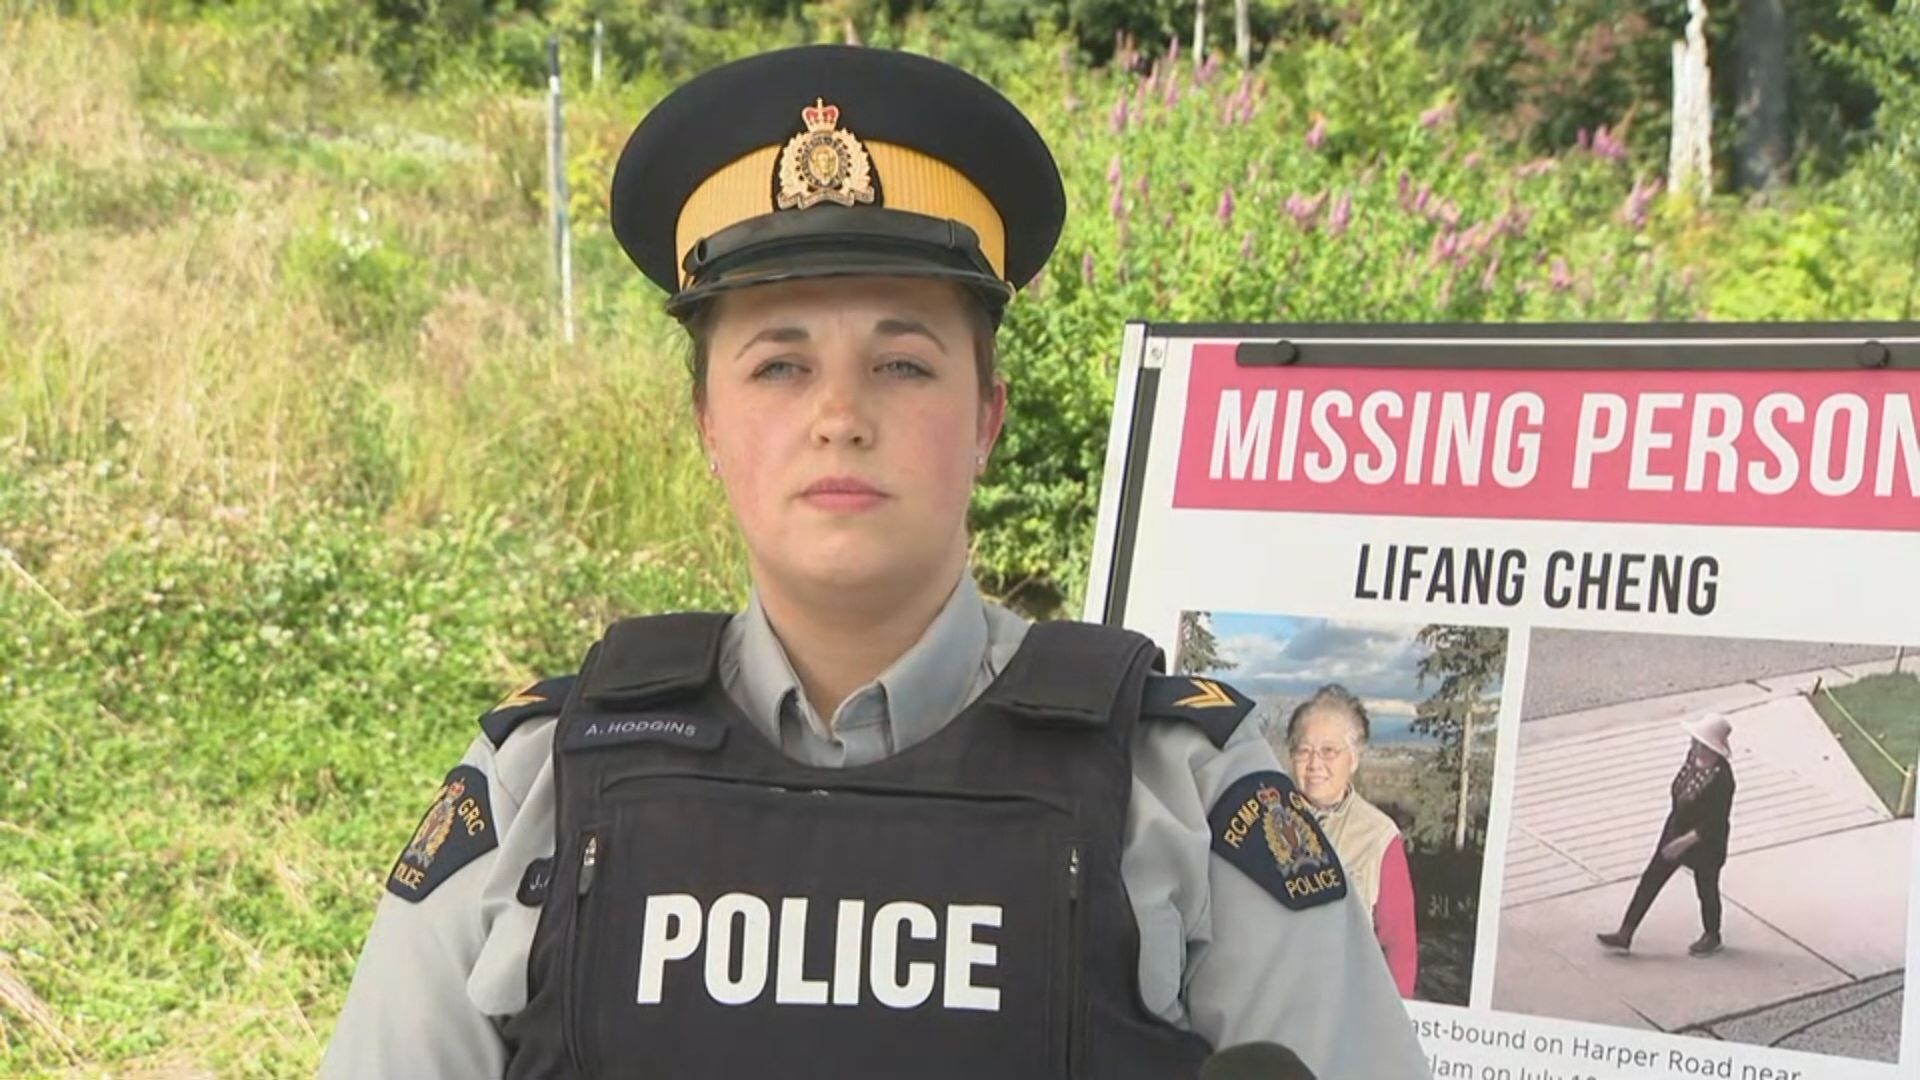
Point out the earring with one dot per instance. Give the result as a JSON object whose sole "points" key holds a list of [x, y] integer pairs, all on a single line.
{"points": [[713, 467]]}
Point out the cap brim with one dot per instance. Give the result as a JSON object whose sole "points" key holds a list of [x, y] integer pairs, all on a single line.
{"points": [[800, 267]]}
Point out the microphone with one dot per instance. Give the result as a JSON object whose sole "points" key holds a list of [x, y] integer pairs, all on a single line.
{"points": [[1256, 1061]]}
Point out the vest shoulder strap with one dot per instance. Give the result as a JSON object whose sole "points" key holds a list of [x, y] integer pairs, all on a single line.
{"points": [[1069, 673], [656, 657], [542, 698], [1208, 704]]}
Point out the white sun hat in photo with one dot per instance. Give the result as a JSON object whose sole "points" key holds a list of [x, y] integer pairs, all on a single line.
{"points": [[1712, 729]]}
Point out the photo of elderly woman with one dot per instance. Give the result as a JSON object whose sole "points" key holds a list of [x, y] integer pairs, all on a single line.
{"points": [[1712, 837], [1694, 836], [1388, 730], [1326, 736]]}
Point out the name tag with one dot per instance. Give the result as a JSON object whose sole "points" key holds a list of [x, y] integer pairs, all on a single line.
{"points": [[692, 732]]}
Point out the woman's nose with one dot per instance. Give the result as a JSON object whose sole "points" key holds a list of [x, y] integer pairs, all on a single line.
{"points": [[841, 413]]}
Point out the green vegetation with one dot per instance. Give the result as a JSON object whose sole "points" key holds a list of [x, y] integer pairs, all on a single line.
{"points": [[296, 476], [1888, 708]]}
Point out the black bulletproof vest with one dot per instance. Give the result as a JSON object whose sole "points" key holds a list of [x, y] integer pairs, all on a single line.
{"points": [[954, 911]]}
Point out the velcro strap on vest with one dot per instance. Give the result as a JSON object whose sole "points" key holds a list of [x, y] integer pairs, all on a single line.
{"points": [[1068, 673], [656, 658]]}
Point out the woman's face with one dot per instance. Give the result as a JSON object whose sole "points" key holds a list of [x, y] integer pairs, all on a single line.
{"points": [[846, 421], [1323, 759]]}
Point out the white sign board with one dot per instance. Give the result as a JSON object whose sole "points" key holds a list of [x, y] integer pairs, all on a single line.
{"points": [[1634, 612]]}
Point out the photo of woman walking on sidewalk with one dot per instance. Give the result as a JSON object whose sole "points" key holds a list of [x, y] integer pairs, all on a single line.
{"points": [[1694, 836]]}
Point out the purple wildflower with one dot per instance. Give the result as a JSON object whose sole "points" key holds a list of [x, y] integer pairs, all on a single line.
{"points": [[1608, 145], [1559, 275], [1536, 167], [1639, 201], [1140, 187], [1317, 134], [1225, 210], [1340, 215], [1436, 116], [1117, 207], [1582, 139], [1117, 118], [1173, 51], [1113, 171], [1491, 274], [1471, 161], [1405, 189], [1303, 210], [1086, 268], [1172, 97]]}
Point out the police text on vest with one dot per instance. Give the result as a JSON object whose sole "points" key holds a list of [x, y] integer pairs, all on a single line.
{"points": [[673, 926]]}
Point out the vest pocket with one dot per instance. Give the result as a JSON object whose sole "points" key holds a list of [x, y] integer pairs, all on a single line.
{"points": [[586, 853]]}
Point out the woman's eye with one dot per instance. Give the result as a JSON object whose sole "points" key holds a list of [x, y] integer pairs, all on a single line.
{"points": [[776, 368], [907, 367]]}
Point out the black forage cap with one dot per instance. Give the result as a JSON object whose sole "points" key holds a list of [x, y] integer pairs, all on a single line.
{"points": [[833, 160]]}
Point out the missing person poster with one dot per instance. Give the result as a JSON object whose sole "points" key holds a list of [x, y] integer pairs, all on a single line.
{"points": [[1617, 628]]}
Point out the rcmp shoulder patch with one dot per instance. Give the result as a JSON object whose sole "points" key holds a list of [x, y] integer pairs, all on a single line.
{"points": [[1209, 704], [457, 829], [1264, 826], [542, 698]]}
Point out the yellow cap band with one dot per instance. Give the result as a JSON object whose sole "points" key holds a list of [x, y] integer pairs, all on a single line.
{"points": [[911, 180]]}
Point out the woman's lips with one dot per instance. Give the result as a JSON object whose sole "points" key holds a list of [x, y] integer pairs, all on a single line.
{"points": [[842, 494]]}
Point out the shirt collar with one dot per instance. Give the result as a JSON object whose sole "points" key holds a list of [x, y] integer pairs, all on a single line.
{"points": [[926, 687]]}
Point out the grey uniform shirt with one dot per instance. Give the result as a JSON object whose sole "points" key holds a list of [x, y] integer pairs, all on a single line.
{"points": [[1218, 954]]}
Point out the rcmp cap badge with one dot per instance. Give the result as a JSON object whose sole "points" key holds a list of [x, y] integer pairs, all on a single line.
{"points": [[1292, 858], [824, 163]]}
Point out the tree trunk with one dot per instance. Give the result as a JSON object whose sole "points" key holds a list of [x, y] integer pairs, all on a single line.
{"points": [[1690, 155], [1242, 33], [1466, 779], [1199, 32], [1761, 89]]}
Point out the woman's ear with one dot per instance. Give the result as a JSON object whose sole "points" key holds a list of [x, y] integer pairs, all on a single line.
{"points": [[703, 422], [993, 416]]}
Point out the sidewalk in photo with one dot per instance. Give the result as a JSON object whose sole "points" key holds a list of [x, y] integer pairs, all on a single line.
{"points": [[1591, 789], [1815, 887]]}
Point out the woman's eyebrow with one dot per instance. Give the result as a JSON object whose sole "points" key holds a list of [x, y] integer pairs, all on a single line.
{"points": [[899, 327], [780, 335]]}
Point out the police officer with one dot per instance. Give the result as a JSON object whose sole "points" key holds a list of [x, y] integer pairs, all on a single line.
{"points": [[873, 825]]}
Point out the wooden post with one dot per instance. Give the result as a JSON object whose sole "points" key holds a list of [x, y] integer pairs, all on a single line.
{"points": [[557, 191]]}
